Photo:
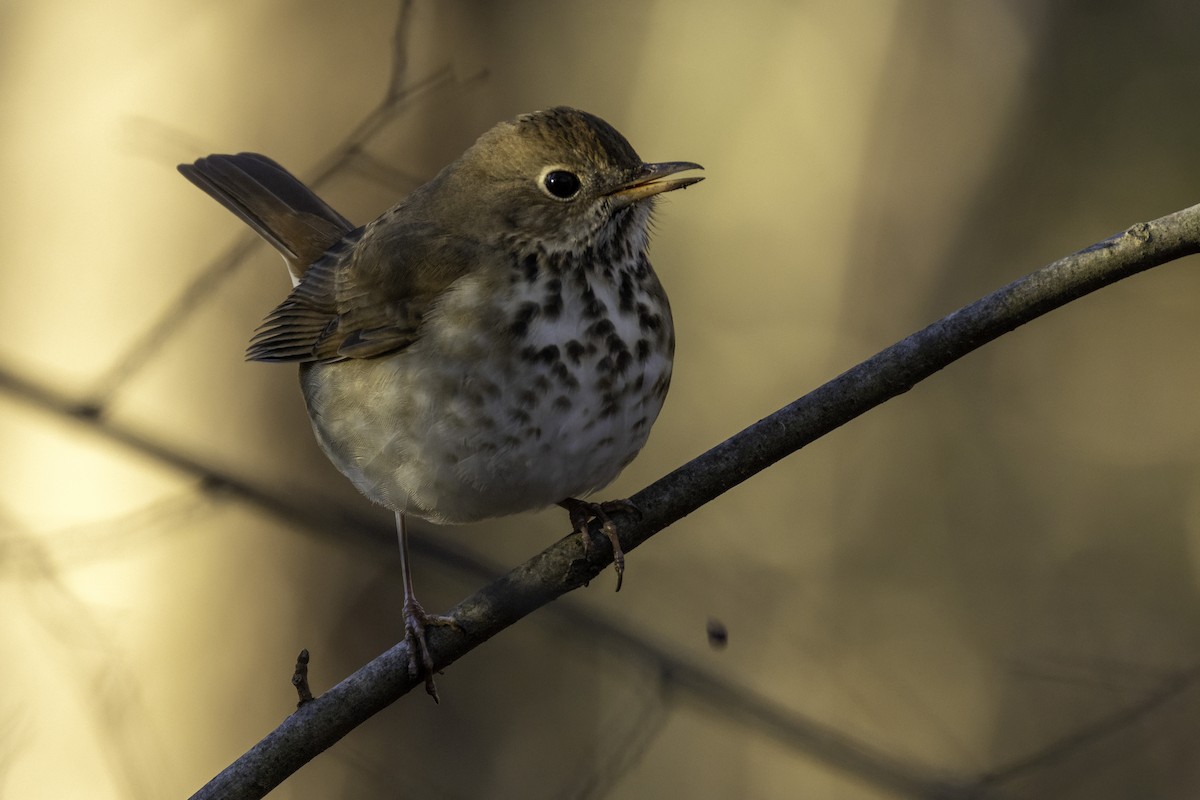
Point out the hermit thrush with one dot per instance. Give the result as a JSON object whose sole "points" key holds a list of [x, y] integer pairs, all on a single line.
{"points": [[497, 342]]}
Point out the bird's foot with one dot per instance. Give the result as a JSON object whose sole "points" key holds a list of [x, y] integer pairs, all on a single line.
{"points": [[416, 621], [582, 512]]}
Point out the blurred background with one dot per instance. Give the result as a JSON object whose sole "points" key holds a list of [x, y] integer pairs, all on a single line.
{"points": [[985, 588]]}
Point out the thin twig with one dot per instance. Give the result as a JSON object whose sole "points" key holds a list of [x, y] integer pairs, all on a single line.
{"points": [[563, 566]]}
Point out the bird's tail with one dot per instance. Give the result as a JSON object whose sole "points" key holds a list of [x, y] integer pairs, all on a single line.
{"points": [[272, 201]]}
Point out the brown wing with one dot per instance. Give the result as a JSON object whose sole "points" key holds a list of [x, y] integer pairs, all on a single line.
{"points": [[367, 296], [361, 293]]}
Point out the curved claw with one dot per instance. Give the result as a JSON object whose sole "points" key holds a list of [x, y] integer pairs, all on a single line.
{"points": [[416, 621], [581, 512]]}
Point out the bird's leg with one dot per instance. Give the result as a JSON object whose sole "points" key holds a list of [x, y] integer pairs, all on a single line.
{"points": [[581, 512], [415, 618]]}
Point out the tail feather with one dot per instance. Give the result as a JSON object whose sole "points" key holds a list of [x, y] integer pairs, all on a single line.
{"points": [[272, 201]]}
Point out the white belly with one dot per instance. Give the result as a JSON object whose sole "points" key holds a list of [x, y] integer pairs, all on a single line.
{"points": [[471, 422]]}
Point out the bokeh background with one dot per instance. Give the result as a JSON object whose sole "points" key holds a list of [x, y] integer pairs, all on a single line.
{"points": [[985, 588]]}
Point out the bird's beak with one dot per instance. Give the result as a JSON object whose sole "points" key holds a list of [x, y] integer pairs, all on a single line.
{"points": [[647, 181]]}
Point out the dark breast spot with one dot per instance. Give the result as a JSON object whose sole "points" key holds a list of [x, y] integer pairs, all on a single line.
{"points": [[593, 307], [616, 344], [600, 328], [643, 267], [648, 320], [552, 302], [564, 376], [529, 267], [626, 293], [526, 313], [624, 359]]}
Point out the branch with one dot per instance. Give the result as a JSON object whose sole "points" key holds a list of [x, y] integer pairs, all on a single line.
{"points": [[318, 724]]}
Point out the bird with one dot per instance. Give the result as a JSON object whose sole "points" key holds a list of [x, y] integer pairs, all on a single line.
{"points": [[495, 343]]}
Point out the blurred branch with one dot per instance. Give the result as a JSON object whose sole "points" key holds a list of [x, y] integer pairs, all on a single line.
{"points": [[1106, 726], [562, 567]]}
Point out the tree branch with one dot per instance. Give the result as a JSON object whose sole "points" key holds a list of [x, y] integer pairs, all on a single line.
{"points": [[318, 724]]}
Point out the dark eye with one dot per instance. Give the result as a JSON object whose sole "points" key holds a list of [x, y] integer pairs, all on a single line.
{"points": [[561, 184]]}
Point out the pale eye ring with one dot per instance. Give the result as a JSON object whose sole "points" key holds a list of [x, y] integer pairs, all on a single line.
{"points": [[561, 184]]}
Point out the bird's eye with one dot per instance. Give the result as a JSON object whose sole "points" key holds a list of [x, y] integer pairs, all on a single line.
{"points": [[561, 184]]}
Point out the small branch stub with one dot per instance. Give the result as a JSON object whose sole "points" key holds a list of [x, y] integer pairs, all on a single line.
{"points": [[300, 679]]}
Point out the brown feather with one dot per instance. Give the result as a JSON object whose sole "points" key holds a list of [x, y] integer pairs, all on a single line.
{"points": [[362, 293]]}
